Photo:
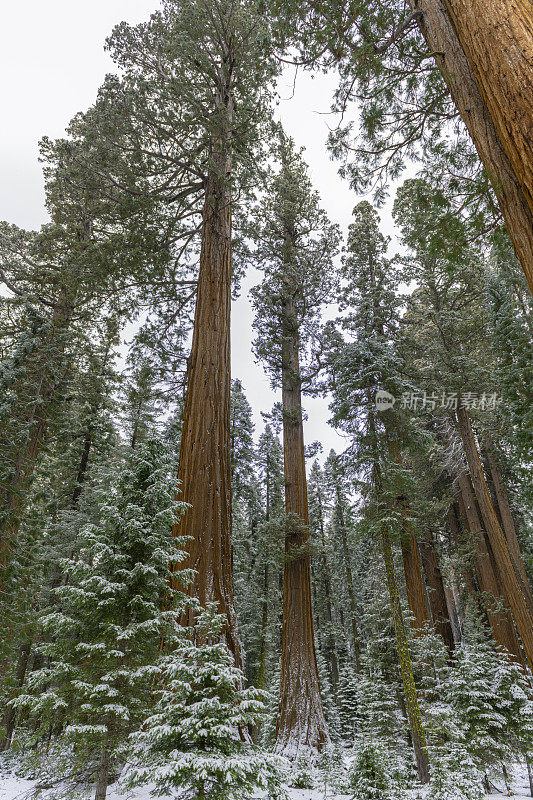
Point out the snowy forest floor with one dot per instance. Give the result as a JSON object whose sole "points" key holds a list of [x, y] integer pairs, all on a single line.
{"points": [[15, 788]]}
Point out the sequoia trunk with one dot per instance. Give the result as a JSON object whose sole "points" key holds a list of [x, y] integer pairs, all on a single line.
{"points": [[301, 720], [499, 147], [204, 473], [436, 591], [498, 615], [517, 597], [506, 518], [497, 39]]}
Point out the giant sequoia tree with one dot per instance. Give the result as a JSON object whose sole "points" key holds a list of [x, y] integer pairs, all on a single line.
{"points": [[294, 244], [188, 107]]}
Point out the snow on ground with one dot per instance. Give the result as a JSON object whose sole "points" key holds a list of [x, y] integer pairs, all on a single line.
{"points": [[15, 788]]}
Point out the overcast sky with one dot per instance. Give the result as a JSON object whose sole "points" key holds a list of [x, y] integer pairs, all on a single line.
{"points": [[52, 61]]}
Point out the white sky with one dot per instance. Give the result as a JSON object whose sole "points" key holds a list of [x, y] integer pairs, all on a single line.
{"points": [[52, 62]]}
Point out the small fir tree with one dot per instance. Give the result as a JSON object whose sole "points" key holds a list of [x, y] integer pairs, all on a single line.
{"points": [[192, 741], [102, 633]]}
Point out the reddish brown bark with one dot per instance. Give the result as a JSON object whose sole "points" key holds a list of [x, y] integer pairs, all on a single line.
{"points": [[517, 597], [301, 720], [436, 592], [498, 614], [494, 98], [414, 582], [497, 39], [506, 518], [204, 473]]}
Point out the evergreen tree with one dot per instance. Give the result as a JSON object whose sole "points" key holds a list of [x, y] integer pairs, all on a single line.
{"points": [[102, 636], [295, 244], [359, 367], [190, 742]]}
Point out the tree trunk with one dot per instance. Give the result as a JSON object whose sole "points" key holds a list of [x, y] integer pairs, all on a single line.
{"points": [[506, 518], [10, 714], [517, 598], [437, 595], [349, 580], [452, 601], [413, 580], [261, 671], [204, 473], [84, 462], [497, 39], [484, 36], [44, 384], [406, 667], [416, 727], [301, 720], [102, 775], [331, 650], [498, 614], [456, 514]]}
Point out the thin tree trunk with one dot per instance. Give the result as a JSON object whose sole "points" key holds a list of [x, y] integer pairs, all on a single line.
{"points": [[452, 601], [261, 671], [349, 580], [406, 667], [10, 714], [497, 146], [84, 461], [456, 514], [437, 595], [204, 473], [416, 727], [414, 580], [301, 720], [331, 652], [102, 775], [530, 776]]}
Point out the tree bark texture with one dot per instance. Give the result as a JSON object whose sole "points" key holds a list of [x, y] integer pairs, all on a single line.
{"points": [[497, 39], [436, 591], [204, 473], [414, 583], [301, 721], [517, 598], [506, 518], [494, 98], [495, 604]]}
